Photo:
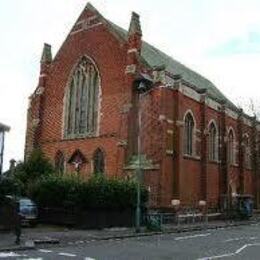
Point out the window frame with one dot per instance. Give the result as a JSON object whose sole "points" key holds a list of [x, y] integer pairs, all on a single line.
{"points": [[189, 134], [71, 115], [231, 157], [99, 151], [213, 142]]}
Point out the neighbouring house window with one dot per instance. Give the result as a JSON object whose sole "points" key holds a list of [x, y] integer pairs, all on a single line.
{"points": [[231, 147], [189, 134], [247, 152], [99, 161], [59, 162], [82, 101], [213, 142]]}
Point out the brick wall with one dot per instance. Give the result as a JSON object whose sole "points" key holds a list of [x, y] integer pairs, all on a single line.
{"points": [[176, 176]]}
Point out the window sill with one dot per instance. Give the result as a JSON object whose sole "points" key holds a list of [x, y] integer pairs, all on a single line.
{"points": [[235, 165], [214, 161], [82, 136], [191, 157]]}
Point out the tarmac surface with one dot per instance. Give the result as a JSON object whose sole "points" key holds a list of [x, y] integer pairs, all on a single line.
{"points": [[225, 242], [229, 242]]}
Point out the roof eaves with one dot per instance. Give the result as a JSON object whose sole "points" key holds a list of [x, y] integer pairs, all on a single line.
{"points": [[4, 127]]}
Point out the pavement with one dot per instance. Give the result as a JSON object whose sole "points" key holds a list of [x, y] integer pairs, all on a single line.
{"points": [[46, 236], [236, 242]]}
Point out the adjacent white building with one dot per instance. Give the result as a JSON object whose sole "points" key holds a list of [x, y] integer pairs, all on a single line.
{"points": [[3, 129]]}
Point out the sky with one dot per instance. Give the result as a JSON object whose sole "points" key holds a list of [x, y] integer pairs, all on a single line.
{"points": [[220, 39]]}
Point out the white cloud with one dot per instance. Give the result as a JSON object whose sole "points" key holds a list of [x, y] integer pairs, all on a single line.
{"points": [[187, 30]]}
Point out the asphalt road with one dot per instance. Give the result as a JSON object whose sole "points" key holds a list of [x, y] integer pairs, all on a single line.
{"points": [[230, 243]]}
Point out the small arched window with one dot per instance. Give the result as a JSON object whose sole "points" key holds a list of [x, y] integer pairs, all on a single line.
{"points": [[59, 162], [246, 151], [99, 161], [231, 147], [213, 142], [189, 126], [82, 101]]}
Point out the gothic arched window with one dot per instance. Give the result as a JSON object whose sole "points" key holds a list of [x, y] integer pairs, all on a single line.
{"points": [[189, 126], [99, 161], [213, 142], [82, 101], [59, 162], [231, 147]]}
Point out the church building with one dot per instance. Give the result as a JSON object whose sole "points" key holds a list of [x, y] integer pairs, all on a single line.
{"points": [[109, 102]]}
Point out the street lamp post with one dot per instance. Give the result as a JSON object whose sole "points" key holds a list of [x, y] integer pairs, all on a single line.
{"points": [[139, 168], [143, 88]]}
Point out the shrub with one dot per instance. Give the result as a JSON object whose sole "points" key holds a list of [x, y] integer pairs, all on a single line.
{"points": [[9, 186], [35, 167], [26, 173], [98, 192]]}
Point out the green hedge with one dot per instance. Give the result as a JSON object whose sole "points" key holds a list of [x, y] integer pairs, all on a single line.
{"points": [[98, 192]]}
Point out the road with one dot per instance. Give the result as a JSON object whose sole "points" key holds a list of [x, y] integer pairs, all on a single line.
{"points": [[241, 242]]}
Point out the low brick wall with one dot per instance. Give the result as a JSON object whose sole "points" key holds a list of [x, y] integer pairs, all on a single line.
{"points": [[88, 219], [7, 216]]}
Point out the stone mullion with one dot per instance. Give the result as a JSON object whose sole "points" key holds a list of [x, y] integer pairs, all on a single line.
{"points": [[73, 105], [82, 114], [91, 87], [68, 112], [87, 97], [78, 103], [80, 99], [95, 96]]}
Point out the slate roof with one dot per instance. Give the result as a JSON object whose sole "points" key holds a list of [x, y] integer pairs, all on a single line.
{"points": [[153, 57]]}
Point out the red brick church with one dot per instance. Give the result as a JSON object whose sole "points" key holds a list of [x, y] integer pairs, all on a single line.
{"points": [[109, 102]]}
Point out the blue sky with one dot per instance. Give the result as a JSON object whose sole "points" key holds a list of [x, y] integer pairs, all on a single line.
{"points": [[220, 39]]}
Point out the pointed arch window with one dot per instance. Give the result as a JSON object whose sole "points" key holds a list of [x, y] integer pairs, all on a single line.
{"points": [[231, 147], [99, 161], [213, 142], [189, 126], [59, 162], [82, 101]]}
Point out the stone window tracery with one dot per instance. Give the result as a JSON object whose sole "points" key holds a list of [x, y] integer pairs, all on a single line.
{"points": [[82, 101]]}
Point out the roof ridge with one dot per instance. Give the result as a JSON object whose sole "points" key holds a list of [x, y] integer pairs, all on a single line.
{"points": [[172, 66]]}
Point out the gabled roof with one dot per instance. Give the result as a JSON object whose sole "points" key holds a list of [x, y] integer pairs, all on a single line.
{"points": [[153, 57], [4, 127]]}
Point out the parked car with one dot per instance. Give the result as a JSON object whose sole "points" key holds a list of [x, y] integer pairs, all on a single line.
{"points": [[27, 210]]}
